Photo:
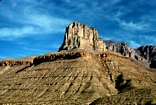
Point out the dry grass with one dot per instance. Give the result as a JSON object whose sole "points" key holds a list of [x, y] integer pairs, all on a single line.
{"points": [[144, 96]]}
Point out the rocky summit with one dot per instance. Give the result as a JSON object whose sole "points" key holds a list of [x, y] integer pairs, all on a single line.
{"points": [[144, 55], [80, 37], [76, 77]]}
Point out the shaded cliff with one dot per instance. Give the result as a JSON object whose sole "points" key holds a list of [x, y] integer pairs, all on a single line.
{"points": [[144, 55], [149, 53]]}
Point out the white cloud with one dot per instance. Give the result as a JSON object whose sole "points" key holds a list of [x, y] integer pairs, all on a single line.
{"points": [[38, 24], [51, 46], [17, 32], [132, 26], [48, 23], [37, 50], [148, 38], [32, 21], [134, 44]]}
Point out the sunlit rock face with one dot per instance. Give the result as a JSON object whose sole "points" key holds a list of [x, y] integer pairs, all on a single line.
{"points": [[82, 37]]}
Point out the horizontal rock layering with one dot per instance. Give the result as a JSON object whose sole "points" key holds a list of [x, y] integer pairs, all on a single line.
{"points": [[82, 37]]}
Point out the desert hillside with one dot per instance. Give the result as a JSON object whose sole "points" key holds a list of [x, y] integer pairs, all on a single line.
{"points": [[72, 78], [82, 72]]}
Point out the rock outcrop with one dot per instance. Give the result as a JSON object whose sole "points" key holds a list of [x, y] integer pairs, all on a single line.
{"points": [[82, 37], [65, 55], [144, 55], [120, 47], [28, 61], [149, 53], [80, 75], [72, 78], [13, 63]]}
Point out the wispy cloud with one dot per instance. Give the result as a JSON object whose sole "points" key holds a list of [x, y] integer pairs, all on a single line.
{"points": [[36, 50], [17, 32], [30, 21], [42, 25], [134, 44], [39, 25], [133, 26], [148, 39]]}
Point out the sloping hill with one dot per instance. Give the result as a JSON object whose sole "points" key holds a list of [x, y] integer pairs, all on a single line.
{"points": [[82, 73], [144, 96], [72, 78]]}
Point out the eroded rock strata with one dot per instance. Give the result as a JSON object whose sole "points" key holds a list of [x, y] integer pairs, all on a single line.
{"points": [[13, 63], [82, 37], [82, 73], [72, 77]]}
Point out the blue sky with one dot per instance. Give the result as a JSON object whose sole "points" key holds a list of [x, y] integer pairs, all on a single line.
{"points": [[35, 27]]}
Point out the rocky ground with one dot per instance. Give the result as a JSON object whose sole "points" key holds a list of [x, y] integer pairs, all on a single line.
{"points": [[82, 73], [143, 96], [76, 78]]}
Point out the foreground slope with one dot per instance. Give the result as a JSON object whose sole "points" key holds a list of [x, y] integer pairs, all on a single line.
{"points": [[143, 96], [81, 73], [72, 78]]}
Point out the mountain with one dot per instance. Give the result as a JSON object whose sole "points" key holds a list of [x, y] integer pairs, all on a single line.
{"points": [[144, 55], [149, 53], [80, 37], [79, 74], [74, 77]]}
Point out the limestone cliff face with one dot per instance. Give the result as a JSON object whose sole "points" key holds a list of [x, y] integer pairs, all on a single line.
{"points": [[81, 36]]}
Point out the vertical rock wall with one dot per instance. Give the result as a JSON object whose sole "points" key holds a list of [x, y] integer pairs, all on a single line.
{"points": [[81, 36]]}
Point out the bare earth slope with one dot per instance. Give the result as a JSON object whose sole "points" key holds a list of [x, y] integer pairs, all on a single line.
{"points": [[72, 78]]}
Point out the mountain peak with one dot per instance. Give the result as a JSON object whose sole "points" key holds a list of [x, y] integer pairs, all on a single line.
{"points": [[82, 37]]}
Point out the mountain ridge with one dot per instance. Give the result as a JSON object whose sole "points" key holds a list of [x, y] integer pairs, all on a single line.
{"points": [[144, 55], [81, 73], [67, 77]]}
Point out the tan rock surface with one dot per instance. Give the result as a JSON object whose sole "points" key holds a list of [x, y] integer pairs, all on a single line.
{"points": [[12, 63], [81, 73], [27, 61], [81, 36], [72, 78]]}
